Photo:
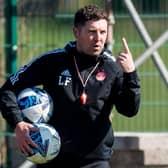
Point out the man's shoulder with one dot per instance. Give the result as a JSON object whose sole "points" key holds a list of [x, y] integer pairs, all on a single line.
{"points": [[108, 56], [51, 54], [110, 62], [57, 51]]}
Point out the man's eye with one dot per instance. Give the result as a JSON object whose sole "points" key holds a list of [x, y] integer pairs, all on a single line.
{"points": [[103, 32], [92, 31]]}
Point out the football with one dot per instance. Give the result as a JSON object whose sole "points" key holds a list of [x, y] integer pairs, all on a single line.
{"points": [[48, 141], [35, 104]]}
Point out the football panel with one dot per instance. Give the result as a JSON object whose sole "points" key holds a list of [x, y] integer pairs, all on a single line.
{"points": [[34, 114], [54, 142]]}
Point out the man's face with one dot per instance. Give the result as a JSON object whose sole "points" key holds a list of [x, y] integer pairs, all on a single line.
{"points": [[91, 37]]}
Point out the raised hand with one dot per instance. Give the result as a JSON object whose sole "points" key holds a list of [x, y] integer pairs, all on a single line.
{"points": [[125, 59]]}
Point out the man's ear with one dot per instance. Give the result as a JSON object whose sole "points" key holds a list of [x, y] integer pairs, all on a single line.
{"points": [[75, 32]]}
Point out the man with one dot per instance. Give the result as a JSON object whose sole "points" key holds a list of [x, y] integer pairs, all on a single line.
{"points": [[84, 81]]}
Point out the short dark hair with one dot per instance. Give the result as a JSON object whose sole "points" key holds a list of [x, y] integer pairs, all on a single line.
{"points": [[89, 12]]}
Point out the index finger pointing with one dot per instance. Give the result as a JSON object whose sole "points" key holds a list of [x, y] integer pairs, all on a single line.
{"points": [[125, 45]]}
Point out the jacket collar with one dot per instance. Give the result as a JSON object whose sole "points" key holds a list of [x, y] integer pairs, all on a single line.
{"points": [[71, 49]]}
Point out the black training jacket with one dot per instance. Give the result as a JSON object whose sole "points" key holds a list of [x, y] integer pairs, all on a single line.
{"points": [[85, 130]]}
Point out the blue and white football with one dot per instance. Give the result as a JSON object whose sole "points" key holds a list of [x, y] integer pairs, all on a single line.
{"points": [[48, 141], [35, 104]]}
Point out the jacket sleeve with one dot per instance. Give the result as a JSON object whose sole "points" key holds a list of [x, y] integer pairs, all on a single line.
{"points": [[9, 108], [27, 76], [127, 100]]}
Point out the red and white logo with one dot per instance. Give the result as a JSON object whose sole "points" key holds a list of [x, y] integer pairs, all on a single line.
{"points": [[100, 76]]}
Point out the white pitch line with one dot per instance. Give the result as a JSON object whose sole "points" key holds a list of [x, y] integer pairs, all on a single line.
{"points": [[26, 164]]}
